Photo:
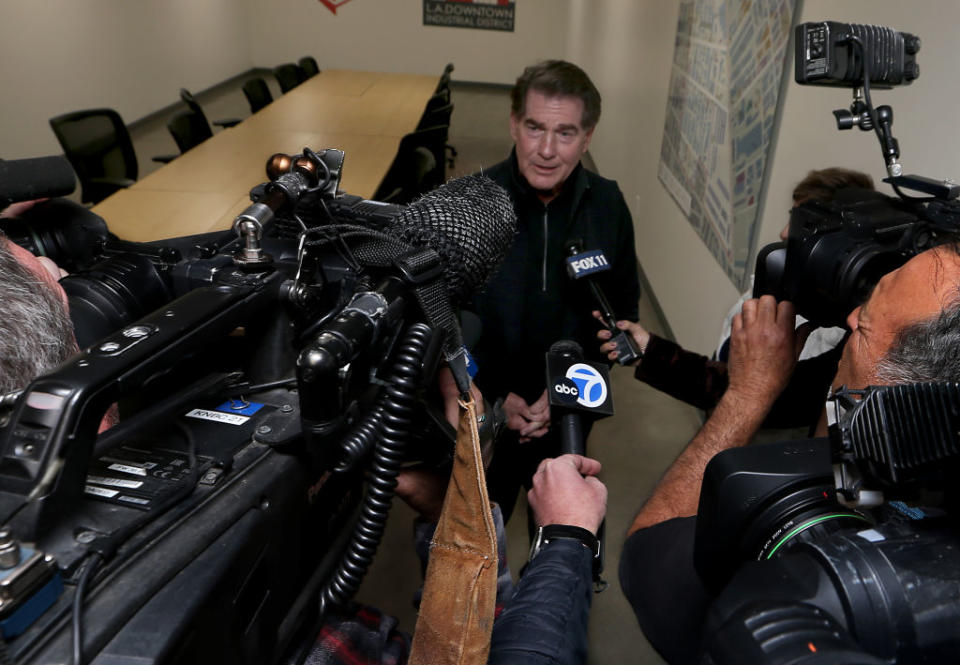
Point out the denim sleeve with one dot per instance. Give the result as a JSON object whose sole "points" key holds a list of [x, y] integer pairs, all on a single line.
{"points": [[546, 621]]}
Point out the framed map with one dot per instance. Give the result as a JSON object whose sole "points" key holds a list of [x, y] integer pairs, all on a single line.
{"points": [[728, 65]]}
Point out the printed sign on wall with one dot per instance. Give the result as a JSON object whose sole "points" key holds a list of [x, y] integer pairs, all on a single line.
{"points": [[478, 14]]}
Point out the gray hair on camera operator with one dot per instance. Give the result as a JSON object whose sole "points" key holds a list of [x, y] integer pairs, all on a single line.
{"points": [[36, 334], [908, 330]]}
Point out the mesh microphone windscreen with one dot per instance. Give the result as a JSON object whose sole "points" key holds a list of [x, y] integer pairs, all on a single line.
{"points": [[469, 222]]}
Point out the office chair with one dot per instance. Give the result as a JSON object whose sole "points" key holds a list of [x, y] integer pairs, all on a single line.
{"points": [[444, 82], [289, 76], [410, 171], [438, 113], [97, 144], [257, 93], [308, 65], [187, 98], [188, 129]]}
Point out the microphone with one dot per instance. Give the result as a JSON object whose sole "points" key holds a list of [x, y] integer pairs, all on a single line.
{"points": [[458, 232], [571, 427], [470, 222], [576, 387], [35, 178], [583, 265]]}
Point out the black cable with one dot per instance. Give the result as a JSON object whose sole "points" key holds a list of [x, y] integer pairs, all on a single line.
{"points": [[398, 407], [242, 389], [104, 547], [853, 39], [94, 561]]}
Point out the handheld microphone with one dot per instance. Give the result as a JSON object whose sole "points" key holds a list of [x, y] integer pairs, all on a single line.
{"points": [[35, 178], [575, 388], [583, 265]]}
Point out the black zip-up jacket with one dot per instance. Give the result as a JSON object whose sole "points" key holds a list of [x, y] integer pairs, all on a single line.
{"points": [[530, 302]]}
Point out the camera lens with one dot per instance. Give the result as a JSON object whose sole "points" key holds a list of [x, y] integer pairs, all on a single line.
{"points": [[112, 294], [63, 231], [801, 515]]}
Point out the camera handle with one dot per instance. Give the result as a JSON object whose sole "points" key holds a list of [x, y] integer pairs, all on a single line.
{"points": [[861, 114], [46, 446]]}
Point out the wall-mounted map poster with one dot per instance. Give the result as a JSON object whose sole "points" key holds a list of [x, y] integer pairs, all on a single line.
{"points": [[727, 69]]}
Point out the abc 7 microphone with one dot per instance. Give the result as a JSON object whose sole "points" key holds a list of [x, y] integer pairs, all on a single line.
{"points": [[576, 389], [583, 265]]}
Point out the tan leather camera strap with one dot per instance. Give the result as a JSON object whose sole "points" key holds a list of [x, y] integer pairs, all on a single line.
{"points": [[459, 593]]}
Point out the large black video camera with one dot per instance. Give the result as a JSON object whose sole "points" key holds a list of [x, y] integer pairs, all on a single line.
{"points": [[833, 571], [837, 251], [271, 381]]}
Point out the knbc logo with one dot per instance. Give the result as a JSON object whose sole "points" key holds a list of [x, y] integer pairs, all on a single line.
{"points": [[590, 384]]}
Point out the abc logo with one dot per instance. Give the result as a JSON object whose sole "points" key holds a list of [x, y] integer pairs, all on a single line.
{"points": [[589, 384], [566, 391]]}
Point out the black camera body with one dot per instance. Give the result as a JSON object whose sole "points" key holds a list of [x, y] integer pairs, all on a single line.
{"points": [[271, 381], [837, 251], [789, 560]]}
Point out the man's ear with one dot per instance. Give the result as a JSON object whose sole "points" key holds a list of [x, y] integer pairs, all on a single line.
{"points": [[587, 136], [515, 127]]}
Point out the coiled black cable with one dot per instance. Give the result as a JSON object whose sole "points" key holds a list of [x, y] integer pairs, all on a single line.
{"points": [[399, 401], [361, 439]]}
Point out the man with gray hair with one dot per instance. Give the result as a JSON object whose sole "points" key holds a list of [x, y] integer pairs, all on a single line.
{"points": [[530, 302], [36, 334]]}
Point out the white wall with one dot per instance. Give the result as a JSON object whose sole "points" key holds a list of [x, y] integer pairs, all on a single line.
{"points": [[133, 56], [627, 47], [389, 35]]}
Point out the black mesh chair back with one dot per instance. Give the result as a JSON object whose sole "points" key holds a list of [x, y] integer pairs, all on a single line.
{"points": [[187, 98], [410, 171], [188, 129], [309, 66], [436, 115], [414, 177], [258, 93], [98, 146], [289, 76]]}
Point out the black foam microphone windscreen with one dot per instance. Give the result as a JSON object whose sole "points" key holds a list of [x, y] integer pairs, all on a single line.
{"points": [[34, 178], [469, 222]]}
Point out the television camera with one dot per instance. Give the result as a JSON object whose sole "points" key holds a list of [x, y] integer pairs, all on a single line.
{"points": [[817, 548], [271, 381], [837, 251]]}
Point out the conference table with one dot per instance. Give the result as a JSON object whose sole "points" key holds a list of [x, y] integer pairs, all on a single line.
{"points": [[362, 113]]}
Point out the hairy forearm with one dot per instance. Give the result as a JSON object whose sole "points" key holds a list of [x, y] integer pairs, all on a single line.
{"points": [[733, 423]]}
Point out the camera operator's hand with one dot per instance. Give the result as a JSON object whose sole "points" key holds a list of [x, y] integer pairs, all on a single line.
{"points": [[566, 491], [640, 335], [763, 352], [530, 421], [764, 347]]}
